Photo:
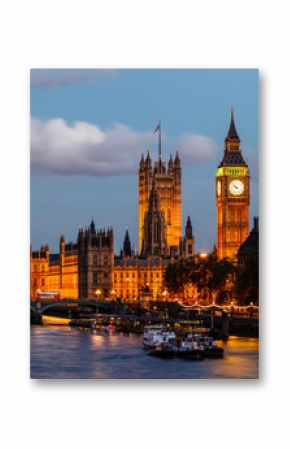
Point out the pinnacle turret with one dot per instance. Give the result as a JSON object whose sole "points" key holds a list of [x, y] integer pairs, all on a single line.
{"points": [[170, 164], [92, 227], [188, 229], [127, 244], [142, 163]]}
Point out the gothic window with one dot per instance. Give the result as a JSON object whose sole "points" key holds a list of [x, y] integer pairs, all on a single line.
{"points": [[95, 278], [168, 217], [42, 282], [106, 260], [189, 249], [106, 275], [95, 260]]}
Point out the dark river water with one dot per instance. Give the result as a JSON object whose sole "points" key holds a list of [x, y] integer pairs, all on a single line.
{"points": [[61, 352]]}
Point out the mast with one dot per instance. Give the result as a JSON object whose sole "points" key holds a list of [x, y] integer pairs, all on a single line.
{"points": [[159, 140], [158, 129]]}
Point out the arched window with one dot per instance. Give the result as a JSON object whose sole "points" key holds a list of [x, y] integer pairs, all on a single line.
{"points": [[155, 235], [168, 217]]}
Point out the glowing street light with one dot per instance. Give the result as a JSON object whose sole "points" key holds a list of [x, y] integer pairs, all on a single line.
{"points": [[203, 255], [98, 292], [164, 294]]}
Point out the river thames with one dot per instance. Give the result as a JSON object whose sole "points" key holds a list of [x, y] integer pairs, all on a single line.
{"points": [[63, 352]]}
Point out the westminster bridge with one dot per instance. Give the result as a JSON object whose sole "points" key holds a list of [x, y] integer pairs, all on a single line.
{"points": [[160, 312], [40, 306]]}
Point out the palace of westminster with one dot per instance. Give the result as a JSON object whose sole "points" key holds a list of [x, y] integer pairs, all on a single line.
{"points": [[89, 269]]}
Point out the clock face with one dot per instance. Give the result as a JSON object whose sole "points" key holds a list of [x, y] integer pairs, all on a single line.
{"points": [[236, 187], [219, 188]]}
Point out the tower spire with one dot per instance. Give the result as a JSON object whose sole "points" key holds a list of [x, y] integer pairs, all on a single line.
{"points": [[232, 132]]}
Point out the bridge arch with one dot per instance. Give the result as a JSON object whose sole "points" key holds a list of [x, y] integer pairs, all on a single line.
{"points": [[51, 305]]}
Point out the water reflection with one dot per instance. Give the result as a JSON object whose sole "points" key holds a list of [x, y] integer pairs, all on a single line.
{"points": [[59, 352]]}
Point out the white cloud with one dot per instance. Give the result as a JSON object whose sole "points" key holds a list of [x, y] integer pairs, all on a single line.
{"points": [[86, 149], [194, 148], [53, 78]]}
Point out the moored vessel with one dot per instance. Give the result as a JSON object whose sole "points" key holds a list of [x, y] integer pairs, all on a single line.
{"points": [[163, 350], [155, 335], [190, 350], [211, 349]]}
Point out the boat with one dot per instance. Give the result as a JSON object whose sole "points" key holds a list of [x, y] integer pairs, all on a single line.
{"points": [[55, 320], [163, 350], [110, 328], [155, 335], [211, 350], [190, 350]]}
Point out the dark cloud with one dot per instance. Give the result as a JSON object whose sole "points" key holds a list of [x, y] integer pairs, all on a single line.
{"points": [[86, 149], [54, 78]]}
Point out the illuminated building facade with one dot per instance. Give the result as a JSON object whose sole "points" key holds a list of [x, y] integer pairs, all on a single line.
{"points": [[55, 272], [91, 270], [232, 197], [96, 262], [168, 185]]}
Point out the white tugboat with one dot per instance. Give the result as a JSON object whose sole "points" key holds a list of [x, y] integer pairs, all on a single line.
{"points": [[211, 350], [155, 335]]}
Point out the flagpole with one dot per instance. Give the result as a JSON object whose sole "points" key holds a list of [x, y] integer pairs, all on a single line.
{"points": [[159, 140]]}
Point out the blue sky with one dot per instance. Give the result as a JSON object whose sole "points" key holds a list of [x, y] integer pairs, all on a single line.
{"points": [[89, 128]]}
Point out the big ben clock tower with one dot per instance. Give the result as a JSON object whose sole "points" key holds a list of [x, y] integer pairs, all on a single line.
{"points": [[232, 197]]}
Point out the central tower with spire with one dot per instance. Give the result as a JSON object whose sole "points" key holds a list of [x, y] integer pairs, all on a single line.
{"points": [[232, 196], [168, 185]]}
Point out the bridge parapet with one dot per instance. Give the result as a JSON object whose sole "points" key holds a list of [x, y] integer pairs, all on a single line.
{"points": [[40, 306]]}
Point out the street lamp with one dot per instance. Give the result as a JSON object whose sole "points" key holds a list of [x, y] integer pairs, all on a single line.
{"points": [[203, 255], [98, 292], [164, 294]]}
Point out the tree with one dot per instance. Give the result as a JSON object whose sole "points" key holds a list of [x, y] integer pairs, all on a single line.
{"points": [[177, 276], [213, 278]]}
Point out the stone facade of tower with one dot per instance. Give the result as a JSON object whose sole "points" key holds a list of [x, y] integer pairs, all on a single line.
{"points": [[154, 241], [232, 197], [169, 188], [96, 262]]}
